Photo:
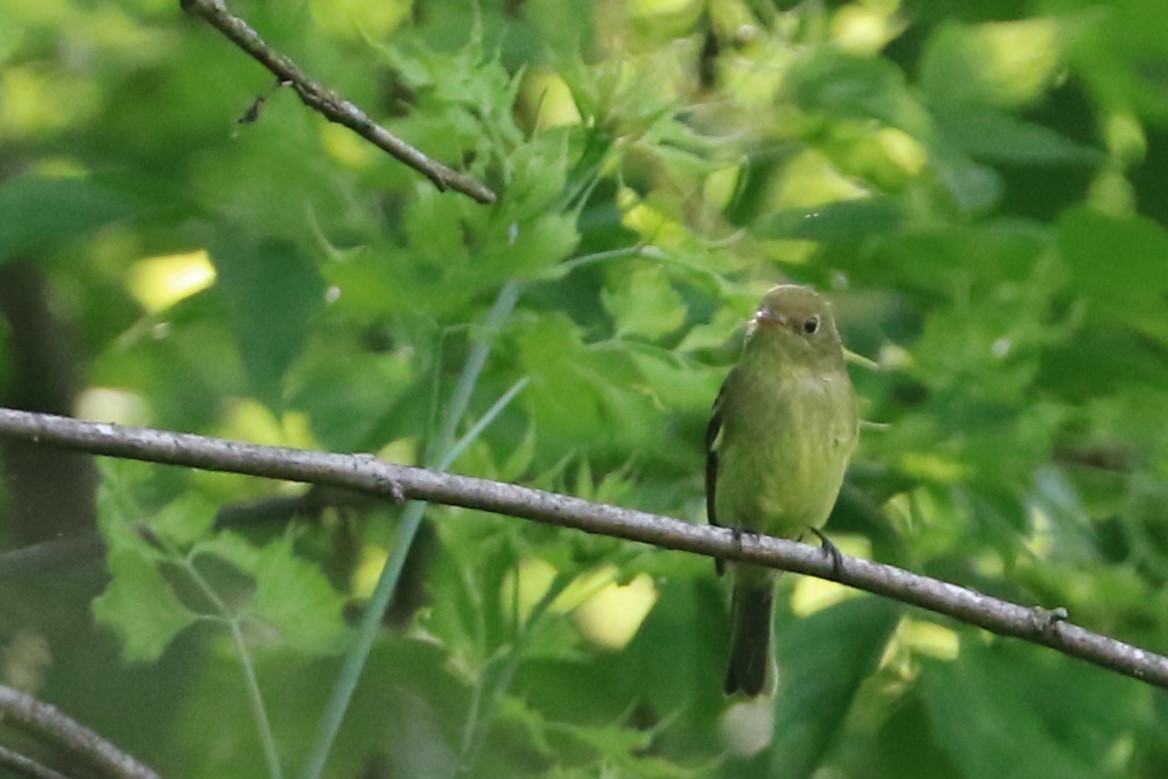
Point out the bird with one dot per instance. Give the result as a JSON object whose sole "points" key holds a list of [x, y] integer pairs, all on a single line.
{"points": [[784, 426]]}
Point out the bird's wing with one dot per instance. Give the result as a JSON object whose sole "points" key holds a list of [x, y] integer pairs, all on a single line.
{"points": [[713, 439]]}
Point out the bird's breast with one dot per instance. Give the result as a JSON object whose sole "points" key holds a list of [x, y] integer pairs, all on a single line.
{"points": [[784, 452]]}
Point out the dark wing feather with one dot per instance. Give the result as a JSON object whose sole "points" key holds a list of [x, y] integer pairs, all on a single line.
{"points": [[712, 431]]}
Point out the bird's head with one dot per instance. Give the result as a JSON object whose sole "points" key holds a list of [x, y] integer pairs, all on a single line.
{"points": [[797, 321]]}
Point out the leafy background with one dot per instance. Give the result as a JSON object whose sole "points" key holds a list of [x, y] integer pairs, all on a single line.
{"points": [[978, 187]]}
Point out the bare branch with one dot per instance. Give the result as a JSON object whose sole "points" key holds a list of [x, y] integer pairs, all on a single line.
{"points": [[331, 105], [47, 556], [51, 726], [364, 473], [25, 766]]}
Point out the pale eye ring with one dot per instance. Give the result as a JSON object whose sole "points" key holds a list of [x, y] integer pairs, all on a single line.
{"points": [[811, 325]]}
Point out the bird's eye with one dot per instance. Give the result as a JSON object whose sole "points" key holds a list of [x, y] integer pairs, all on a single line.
{"points": [[811, 325]]}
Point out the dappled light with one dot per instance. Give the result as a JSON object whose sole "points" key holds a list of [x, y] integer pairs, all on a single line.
{"points": [[523, 242]]}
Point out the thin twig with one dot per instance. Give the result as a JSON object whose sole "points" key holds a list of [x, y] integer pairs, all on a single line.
{"points": [[50, 725], [331, 105], [366, 474]]}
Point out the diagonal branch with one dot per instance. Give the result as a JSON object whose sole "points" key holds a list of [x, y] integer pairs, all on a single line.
{"points": [[50, 725], [366, 474], [331, 105], [26, 766]]}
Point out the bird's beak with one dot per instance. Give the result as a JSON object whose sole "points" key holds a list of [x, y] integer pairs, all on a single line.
{"points": [[767, 317]]}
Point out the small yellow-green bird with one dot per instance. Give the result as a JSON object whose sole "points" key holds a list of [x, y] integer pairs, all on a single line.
{"points": [[784, 426]]}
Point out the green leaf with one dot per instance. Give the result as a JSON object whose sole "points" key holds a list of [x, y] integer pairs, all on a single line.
{"points": [[231, 547], [184, 520], [139, 605], [40, 214], [990, 254], [1119, 268], [1010, 709], [644, 303], [272, 290], [520, 458], [996, 64], [524, 250], [998, 137], [616, 743], [477, 611], [847, 220], [294, 597], [1082, 369], [845, 85], [341, 382], [538, 171], [973, 187], [677, 383], [586, 395], [434, 226]]}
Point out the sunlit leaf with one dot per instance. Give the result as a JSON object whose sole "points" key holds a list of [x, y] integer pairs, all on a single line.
{"points": [[293, 597]]}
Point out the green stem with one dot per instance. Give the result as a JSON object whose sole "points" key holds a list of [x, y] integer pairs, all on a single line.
{"points": [[371, 619], [257, 702], [460, 398], [453, 453], [255, 697], [475, 730], [367, 633]]}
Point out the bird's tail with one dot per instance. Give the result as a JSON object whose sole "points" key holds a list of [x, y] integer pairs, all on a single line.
{"points": [[752, 668]]}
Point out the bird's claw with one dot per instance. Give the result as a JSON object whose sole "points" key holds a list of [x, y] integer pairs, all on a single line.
{"points": [[1046, 621], [739, 532], [830, 550], [397, 492]]}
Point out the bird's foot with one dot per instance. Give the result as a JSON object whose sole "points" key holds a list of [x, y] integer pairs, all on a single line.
{"points": [[1046, 621], [739, 532], [736, 533], [831, 550]]}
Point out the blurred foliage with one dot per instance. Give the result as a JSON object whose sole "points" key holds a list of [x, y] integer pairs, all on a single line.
{"points": [[978, 187]]}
